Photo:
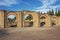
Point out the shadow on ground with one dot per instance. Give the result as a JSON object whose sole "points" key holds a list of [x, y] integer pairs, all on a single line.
{"points": [[3, 32]]}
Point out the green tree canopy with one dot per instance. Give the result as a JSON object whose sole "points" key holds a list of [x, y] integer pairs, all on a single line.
{"points": [[12, 20], [50, 12], [57, 13], [29, 17]]}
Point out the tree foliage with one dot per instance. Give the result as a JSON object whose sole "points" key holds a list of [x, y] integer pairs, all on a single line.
{"points": [[12, 20], [29, 17], [50, 12], [57, 13]]}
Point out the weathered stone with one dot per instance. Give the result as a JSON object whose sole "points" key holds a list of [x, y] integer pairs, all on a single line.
{"points": [[36, 19]]}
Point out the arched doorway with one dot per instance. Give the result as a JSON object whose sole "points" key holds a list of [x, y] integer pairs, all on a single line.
{"points": [[28, 20], [34, 20], [11, 21], [42, 21], [53, 23], [42, 24]]}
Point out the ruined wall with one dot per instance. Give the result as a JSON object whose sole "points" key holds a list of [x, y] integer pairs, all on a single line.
{"points": [[47, 20], [35, 18], [1, 19], [58, 21], [20, 19], [55, 19], [18, 16]]}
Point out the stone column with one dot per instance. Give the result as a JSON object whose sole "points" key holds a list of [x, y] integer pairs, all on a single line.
{"points": [[58, 21], [19, 20], [1, 19], [35, 20], [48, 21]]}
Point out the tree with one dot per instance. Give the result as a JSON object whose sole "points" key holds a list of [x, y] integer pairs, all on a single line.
{"points": [[9, 19], [12, 20], [50, 12], [57, 13], [41, 13], [29, 17]]}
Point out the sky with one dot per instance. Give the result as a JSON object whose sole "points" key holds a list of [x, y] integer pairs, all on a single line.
{"points": [[11, 16], [33, 5]]}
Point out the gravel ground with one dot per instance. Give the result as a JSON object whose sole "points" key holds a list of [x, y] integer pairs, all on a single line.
{"points": [[30, 34]]}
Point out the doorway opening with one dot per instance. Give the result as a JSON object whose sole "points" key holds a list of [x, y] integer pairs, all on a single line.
{"points": [[28, 20], [42, 21], [12, 22], [42, 24], [53, 23]]}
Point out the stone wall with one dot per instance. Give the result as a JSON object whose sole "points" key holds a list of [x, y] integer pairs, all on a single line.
{"points": [[20, 19], [1, 19]]}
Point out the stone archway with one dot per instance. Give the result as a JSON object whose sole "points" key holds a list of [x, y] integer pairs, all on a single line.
{"points": [[10, 24], [11, 21], [35, 18], [28, 21], [45, 18], [54, 21], [42, 20]]}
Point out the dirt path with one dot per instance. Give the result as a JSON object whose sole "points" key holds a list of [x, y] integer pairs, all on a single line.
{"points": [[38, 34]]}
